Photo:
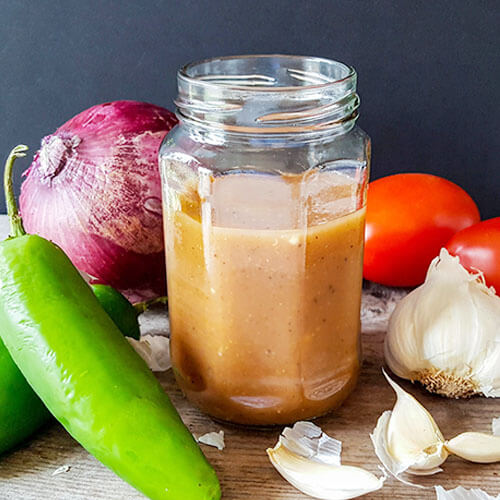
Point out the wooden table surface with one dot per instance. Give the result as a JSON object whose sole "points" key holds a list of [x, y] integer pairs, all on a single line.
{"points": [[243, 467]]}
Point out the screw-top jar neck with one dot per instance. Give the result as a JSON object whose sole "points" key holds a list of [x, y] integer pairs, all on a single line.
{"points": [[268, 96]]}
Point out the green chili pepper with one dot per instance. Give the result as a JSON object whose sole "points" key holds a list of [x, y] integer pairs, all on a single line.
{"points": [[21, 411], [119, 309], [87, 374]]}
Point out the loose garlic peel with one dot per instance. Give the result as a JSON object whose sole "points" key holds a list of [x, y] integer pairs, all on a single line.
{"points": [[445, 333], [495, 426], [407, 439], [309, 459], [461, 493], [215, 439], [309, 441], [154, 350]]}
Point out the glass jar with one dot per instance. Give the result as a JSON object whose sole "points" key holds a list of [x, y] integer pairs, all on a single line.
{"points": [[264, 188]]}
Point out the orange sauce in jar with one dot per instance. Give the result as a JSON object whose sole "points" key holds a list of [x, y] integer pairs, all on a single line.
{"points": [[264, 282]]}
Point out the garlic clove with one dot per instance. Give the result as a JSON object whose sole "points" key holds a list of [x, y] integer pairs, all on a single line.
{"points": [[461, 493], [309, 459], [407, 439], [319, 480], [379, 441], [444, 334], [475, 447]]}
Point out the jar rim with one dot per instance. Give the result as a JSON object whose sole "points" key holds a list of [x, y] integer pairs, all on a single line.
{"points": [[183, 74], [268, 95]]}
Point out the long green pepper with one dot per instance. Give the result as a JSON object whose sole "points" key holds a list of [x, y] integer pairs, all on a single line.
{"points": [[87, 374], [22, 412]]}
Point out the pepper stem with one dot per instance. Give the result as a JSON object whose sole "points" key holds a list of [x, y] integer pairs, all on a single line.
{"points": [[141, 307], [16, 223]]}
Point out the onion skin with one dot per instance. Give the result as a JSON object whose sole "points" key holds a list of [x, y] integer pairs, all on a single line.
{"points": [[94, 189]]}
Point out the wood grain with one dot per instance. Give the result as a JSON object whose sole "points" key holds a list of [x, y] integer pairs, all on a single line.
{"points": [[243, 466]]}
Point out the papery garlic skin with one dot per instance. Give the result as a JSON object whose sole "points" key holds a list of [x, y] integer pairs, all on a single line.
{"points": [[475, 447], [309, 459], [407, 439], [495, 426], [461, 493], [445, 333], [154, 350], [215, 439], [309, 441]]}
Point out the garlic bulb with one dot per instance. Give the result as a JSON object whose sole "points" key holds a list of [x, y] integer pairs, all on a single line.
{"points": [[309, 459], [407, 439], [446, 333]]}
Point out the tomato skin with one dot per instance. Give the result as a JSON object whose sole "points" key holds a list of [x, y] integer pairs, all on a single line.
{"points": [[409, 218], [478, 247]]}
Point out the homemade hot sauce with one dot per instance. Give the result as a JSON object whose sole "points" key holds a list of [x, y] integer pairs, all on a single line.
{"points": [[264, 283]]}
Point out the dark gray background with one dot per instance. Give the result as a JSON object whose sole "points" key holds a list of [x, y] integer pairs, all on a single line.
{"points": [[428, 70]]}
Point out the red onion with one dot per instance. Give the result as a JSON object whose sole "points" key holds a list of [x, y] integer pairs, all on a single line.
{"points": [[94, 189]]}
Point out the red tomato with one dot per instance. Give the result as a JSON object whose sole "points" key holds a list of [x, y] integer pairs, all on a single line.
{"points": [[409, 218], [478, 247]]}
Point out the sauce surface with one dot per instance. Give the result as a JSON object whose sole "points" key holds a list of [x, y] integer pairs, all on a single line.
{"points": [[264, 281]]}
